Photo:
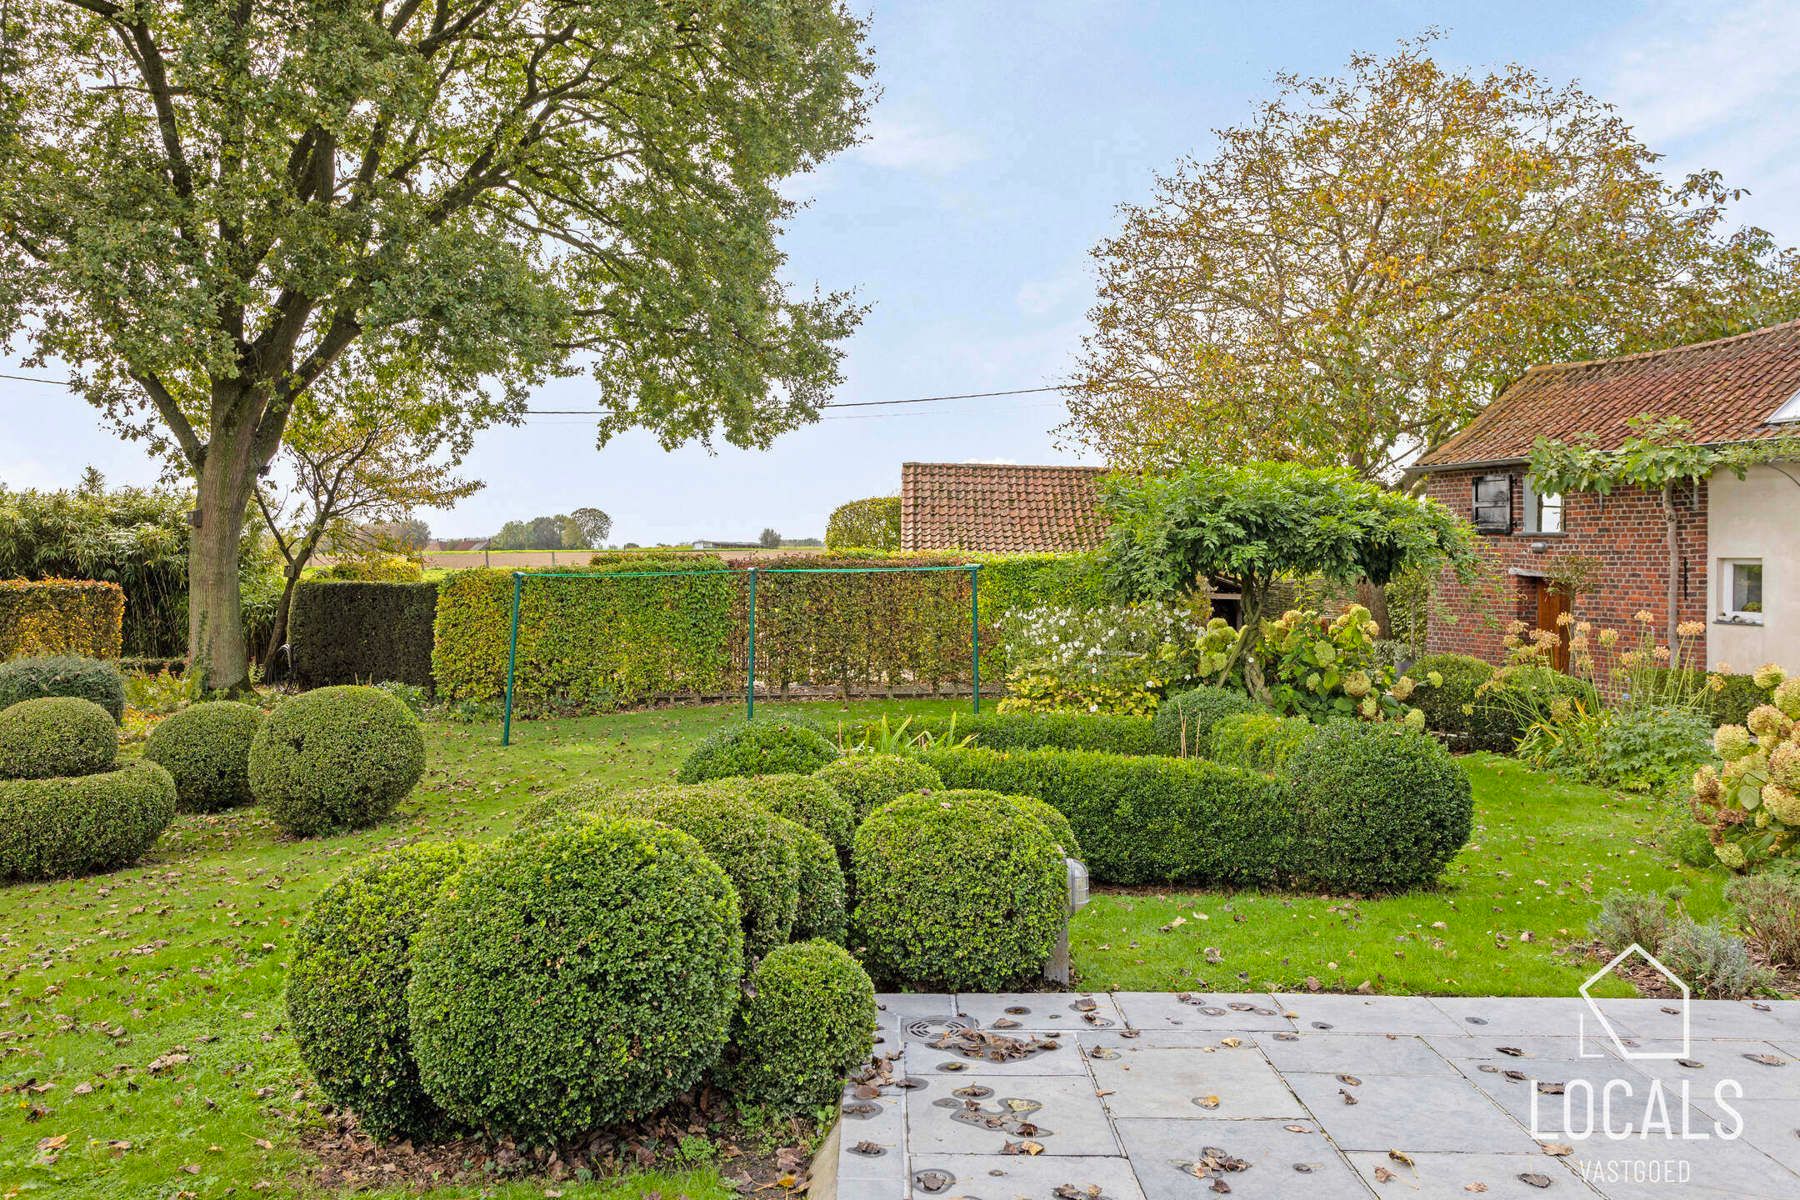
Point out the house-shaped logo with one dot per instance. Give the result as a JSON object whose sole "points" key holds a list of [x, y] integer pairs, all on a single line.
{"points": [[1620, 1046]]}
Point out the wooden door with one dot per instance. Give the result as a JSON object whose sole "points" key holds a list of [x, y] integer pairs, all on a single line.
{"points": [[1552, 603]]}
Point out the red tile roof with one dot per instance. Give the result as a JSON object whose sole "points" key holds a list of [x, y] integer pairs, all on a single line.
{"points": [[998, 509], [1727, 389]]}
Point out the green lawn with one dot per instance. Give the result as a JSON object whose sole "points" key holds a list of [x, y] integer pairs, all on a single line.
{"points": [[1543, 854], [142, 1048]]}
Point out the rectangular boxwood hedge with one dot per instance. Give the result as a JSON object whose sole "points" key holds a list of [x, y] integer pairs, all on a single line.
{"points": [[1146, 819], [84, 617], [344, 631], [1112, 732]]}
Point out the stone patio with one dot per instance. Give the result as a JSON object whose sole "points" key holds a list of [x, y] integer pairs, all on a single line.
{"points": [[1159, 1096]]}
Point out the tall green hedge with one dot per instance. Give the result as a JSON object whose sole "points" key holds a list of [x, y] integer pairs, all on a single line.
{"points": [[355, 631]]}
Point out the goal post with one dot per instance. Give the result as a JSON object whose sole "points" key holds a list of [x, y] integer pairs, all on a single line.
{"points": [[751, 574]]}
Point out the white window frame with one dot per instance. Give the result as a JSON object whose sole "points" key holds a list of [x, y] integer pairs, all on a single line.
{"points": [[1534, 522], [1727, 574], [1787, 412]]}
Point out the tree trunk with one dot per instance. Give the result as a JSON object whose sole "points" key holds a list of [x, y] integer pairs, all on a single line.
{"points": [[215, 606], [1374, 598], [278, 634], [1672, 526]]}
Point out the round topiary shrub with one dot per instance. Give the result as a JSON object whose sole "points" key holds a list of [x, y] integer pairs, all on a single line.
{"points": [[346, 990], [1378, 808], [206, 747], [51, 828], [574, 977], [63, 675], [820, 910], [771, 746], [807, 1019], [334, 759], [869, 781], [1051, 818], [756, 848], [1183, 722], [957, 891], [1259, 741], [56, 735], [809, 801]]}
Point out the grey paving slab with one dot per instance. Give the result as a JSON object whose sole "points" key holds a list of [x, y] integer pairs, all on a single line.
{"points": [[1059, 1112], [1460, 1176], [1410, 1113], [1012, 1177], [1285, 1159], [1656, 1170], [1772, 1126], [1325, 1012], [1543, 1016], [1181, 1081], [1521, 1047], [1759, 1070], [1040, 1011], [1200, 1010], [1057, 1056], [1357, 1053]]}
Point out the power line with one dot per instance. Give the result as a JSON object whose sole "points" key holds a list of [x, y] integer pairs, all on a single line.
{"points": [[36, 379], [588, 412]]}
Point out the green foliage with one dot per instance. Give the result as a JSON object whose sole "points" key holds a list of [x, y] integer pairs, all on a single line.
{"points": [[56, 735], [1447, 690], [1768, 907], [807, 1019], [1659, 452], [334, 759], [1067, 844], [1032, 730], [63, 675], [1632, 918], [576, 976], [1145, 820], [869, 781], [1750, 804], [1253, 523], [1714, 963], [1116, 659], [872, 524], [822, 910], [1320, 668], [1380, 808], [385, 568], [352, 632], [60, 616], [957, 891], [346, 989], [806, 800], [1185, 721], [757, 849], [51, 828], [206, 748], [1259, 741], [1639, 749], [163, 692], [770, 746]]}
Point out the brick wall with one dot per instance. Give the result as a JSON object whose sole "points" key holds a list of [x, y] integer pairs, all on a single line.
{"points": [[1623, 533]]}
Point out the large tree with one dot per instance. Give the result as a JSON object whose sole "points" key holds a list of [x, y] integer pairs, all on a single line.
{"points": [[217, 212], [1355, 272]]}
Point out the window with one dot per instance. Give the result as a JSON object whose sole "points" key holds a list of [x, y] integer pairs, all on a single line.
{"points": [[1492, 508], [1741, 590], [1543, 512], [1787, 412]]}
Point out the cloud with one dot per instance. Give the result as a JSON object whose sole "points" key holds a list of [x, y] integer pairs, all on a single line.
{"points": [[1042, 297], [899, 143]]}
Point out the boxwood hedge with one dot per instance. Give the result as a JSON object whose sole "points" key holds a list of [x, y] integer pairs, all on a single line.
{"points": [[334, 759], [807, 1018], [1259, 741], [957, 890], [809, 801], [820, 911], [56, 735], [206, 747], [869, 781], [578, 975], [1035, 730], [63, 675], [1184, 721], [50, 828], [346, 989], [770, 746]]}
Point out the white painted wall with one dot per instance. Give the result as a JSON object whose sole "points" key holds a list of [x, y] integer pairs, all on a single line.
{"points": [[1755, 517]]}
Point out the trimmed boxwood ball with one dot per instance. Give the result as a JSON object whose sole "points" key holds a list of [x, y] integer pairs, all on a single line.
{"points": [[334, 759], [820, 911], [1378, 808], [756, 848], [869, 781], [1185, 720], [1050, 818], [56, 735], [574, 977], [51, 828], [807, 1019], [63, 675], [1259, 741], [206, 747], [808, 800], [346, 990], [770, 746], [957, 891]]}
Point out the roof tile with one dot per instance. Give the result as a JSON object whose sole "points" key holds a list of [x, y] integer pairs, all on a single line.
{"points": [[998, 508]]}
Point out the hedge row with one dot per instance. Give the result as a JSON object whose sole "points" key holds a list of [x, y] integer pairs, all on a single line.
{"points": [[588, 645], [60, 616], [1036, 730], [362, 632]]}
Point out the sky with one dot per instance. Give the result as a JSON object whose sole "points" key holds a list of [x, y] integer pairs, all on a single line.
{"points": [[1005, 138]]}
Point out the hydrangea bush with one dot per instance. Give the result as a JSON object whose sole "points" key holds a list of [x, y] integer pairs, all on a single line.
{"points": [[1318, 668], [1750, 805]]}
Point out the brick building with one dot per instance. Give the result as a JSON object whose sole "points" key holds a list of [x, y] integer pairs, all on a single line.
{"points": [[1739, 540]]}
